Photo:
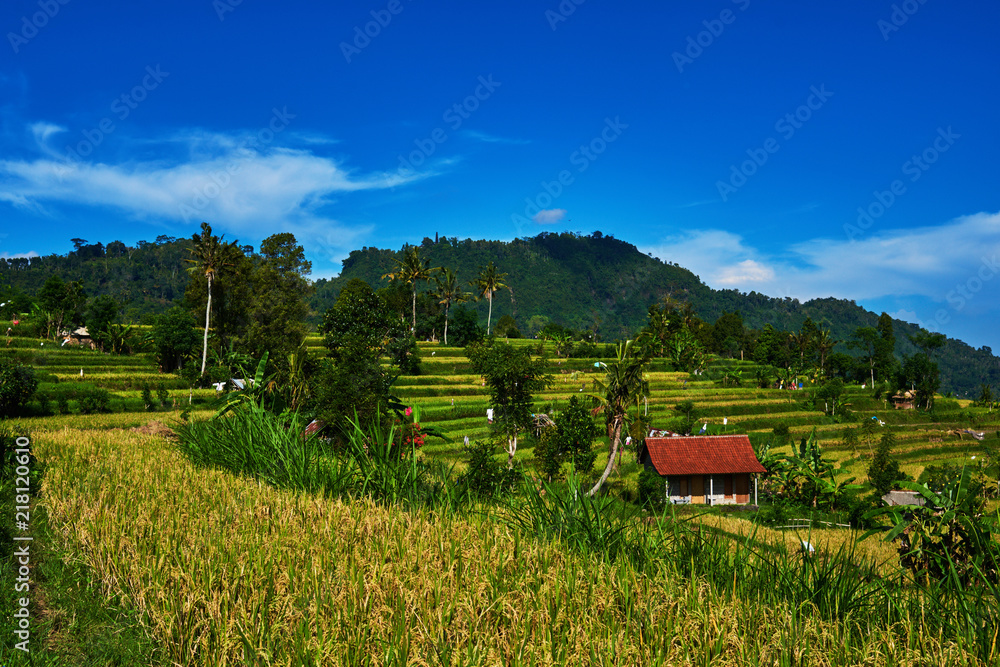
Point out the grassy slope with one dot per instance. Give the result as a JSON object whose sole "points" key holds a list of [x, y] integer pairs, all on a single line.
{"points": [[90, 530]]}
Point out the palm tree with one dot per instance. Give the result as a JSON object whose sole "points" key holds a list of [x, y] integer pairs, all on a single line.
{"points": [[449, 292], [622, 387], [486, 283], [411, 270], [825, 343], [210, 256]]}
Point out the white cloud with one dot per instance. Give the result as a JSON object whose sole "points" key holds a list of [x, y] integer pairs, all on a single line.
{"points": [[214, 177], [493, 139], [549, 216], [30, 253], [931, 262], [746, 272]]}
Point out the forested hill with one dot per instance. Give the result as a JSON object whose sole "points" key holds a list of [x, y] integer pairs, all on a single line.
{"points": [[591, 282], [601, 283]]}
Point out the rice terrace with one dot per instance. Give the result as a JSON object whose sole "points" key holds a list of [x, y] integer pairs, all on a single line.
{"points": [[351, 495], [387, 333]]}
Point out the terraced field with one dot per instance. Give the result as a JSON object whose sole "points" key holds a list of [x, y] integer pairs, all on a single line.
{"points": [[454, 400]]}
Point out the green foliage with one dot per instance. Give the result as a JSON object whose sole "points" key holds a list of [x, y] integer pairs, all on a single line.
{"points": [[507, 327], [162, 395], [258, 443], [921, 373], [883, 471], [689, 415], [174, 338], [17, 385], [780, 432], [486, 476], [512, 378], [570, 439], [147, 397], [94, 401], [360, 324], [576, 432], [277, 312], [101, 313], [465, 328], [947, 539], [62, 304], [405, 355], [549, 454], [351, 383], [652, 489]]}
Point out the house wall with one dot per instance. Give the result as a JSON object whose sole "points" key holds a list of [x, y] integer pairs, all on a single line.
{"points": [[698, 489], [743, 488]]}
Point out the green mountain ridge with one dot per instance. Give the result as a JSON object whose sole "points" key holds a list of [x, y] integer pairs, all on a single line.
{"points": [[594, 282]]}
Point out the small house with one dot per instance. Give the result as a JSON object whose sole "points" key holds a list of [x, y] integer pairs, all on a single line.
{"points": [[904, 401], [711, 470]]}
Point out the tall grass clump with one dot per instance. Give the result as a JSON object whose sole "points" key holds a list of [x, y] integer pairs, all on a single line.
{"points": [[385, 464], [252, 441]]}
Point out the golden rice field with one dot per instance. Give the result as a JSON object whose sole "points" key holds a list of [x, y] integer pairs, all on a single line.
{"points": [[226, 571]]}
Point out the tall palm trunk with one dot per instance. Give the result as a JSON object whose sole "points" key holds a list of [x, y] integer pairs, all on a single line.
{"points": [[413, 330], [611, 460], [208, 312], [489, 317], [446, 326]]}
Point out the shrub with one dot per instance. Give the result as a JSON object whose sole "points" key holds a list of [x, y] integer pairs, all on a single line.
{"points": [[94, 400], [44, 402], [147, 397], [884, 472], [62, 404], [17, 384], [487, 477], [652, 489], [163, 395], [549, 454]]}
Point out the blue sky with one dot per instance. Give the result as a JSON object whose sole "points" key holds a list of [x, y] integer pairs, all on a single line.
{"points": [[797, 149]]}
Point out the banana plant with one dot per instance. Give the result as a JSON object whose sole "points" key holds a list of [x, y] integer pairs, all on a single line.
{"points": [[948, 537], [260, 391]]}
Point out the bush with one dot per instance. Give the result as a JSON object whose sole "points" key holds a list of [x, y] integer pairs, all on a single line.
{"points": [[487, 477], [17, 385], [147, 397], [44, 402], [62, 404], [94, 400], [163, 395], [652, 489]]}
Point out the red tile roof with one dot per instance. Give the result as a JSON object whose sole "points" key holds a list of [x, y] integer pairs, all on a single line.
{"points": [[699, 455]]}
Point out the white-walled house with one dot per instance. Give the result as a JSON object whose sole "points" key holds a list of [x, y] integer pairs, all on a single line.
{"points": [[711, 470]]}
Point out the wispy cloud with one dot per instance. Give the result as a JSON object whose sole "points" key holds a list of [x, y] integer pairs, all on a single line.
{"points": [[928, 261], [205, 176], [550, 216], [492, 139], [30, 253]]}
